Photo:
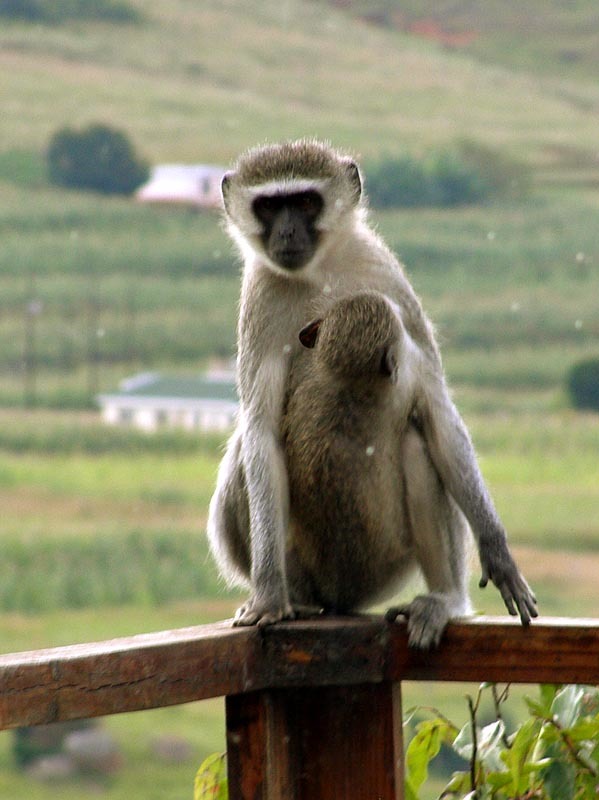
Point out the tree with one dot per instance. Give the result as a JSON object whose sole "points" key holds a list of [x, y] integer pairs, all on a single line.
{"points": [[98, 157], [583, 384]]}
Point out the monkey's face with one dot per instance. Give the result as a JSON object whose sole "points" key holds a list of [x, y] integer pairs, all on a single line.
{"points": [[286, 205], [289, 232]]}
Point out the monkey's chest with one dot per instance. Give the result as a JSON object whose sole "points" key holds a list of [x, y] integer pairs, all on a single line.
{"points": [[347, 505]]}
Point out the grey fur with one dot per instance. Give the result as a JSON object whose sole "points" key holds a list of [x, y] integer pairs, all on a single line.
{"points": [[340, 480]]}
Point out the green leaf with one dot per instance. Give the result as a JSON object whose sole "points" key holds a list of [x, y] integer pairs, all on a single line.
{"points": [[460, 782], [211, 779], [490, 745], [518, 758], [587, 786], [423, 748], [542, 706], [559, 780], [585, 730], [410, 794], [463, 742], [567, 704]]}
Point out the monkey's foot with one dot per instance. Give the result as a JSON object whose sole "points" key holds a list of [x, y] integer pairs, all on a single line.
{"points": [[261, 613], [251, 614], [307, 612], [427, 616]]}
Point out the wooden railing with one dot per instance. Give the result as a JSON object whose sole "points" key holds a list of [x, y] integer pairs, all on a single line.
{"points": [[313, 708]]}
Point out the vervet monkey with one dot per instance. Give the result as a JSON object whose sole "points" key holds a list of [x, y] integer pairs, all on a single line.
{"points": [[296, 212]]}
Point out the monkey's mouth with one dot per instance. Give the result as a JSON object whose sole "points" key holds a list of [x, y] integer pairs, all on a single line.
{"points": [[292, 259]]}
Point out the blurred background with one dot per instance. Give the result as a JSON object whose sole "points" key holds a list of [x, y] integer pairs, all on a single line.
{"points": [[477, 126]]}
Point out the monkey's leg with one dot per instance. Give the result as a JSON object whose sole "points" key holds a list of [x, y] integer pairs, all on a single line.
{"points": [[454, 458], [440, 537], [228, 518], [265, 473]]}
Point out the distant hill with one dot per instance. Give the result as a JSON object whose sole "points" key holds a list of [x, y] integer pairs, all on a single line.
{"points": [[545, 36], [200, 81]]}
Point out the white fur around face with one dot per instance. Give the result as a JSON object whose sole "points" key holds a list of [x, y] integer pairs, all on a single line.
{"points": [[340, 212]]}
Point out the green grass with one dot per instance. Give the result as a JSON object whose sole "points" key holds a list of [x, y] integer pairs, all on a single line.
{"points": [[511, 288]]}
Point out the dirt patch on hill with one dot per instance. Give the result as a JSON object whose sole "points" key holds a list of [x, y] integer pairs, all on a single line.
{"points": [[562, 565]]}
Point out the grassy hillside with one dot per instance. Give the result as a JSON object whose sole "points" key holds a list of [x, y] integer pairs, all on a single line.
{"points": [[199, 81], [115, 287], [92, 288], [546, 36]]}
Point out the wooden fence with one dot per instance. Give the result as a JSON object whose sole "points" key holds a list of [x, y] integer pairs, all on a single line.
{"points": [[313, 708]]}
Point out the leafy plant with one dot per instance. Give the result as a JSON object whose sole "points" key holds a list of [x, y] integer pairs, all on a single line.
{"points": [[583, 384], [463, 174], [211, 779], [98, 157], [55, 11], [552, 755]]}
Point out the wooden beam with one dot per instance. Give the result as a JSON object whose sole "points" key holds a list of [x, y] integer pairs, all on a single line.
{"points": [[316, 743], [155, 670]]}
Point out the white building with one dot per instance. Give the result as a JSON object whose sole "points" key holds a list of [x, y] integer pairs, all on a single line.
{"points": [[153, 402], [185, 184]]}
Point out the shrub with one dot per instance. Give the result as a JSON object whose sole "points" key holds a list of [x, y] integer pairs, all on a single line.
{"points": [[398, 182], [98, 157], [583, 384], [464, 174], [55, 11], [453, 181], [550, 756]]}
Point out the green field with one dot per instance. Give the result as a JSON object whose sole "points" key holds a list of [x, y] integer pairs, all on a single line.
{"points": [[93, 289]]}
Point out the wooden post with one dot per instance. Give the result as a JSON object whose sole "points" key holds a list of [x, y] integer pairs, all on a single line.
{"points": [[342, 742]]}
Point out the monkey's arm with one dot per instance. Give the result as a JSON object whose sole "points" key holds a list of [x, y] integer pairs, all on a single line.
{"points": [[267, 489], [263, 373], [453, 454]]}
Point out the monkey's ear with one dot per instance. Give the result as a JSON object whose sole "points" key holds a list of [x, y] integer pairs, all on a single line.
{"points": [[226, 182], [388, 362], [353, 173], [309, 334]]}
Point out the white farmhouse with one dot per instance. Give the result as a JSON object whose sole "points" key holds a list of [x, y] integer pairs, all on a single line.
{"points": [[152, 402], [184, 184]]}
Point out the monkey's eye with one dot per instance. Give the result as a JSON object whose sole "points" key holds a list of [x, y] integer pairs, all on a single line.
{"points": [[265, 207], [310, 203]]}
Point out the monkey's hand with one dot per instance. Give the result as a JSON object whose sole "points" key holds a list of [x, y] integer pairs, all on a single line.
{"points": [[427, 615], [498, 566], [261, 611]]}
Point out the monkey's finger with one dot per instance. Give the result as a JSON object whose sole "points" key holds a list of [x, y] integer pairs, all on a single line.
{"points": [[527, 608], [524, 615], [485, 574], [396, 611], [531, 604], [508, 599]]}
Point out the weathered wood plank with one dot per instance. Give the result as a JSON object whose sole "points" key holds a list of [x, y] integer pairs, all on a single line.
{"points": [[316, 743], [129, 674], [155, 670]]}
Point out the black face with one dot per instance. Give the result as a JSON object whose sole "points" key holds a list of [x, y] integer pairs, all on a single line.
{"points": [[289, 233]]}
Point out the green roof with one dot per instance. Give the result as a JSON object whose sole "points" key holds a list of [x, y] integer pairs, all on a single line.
{"points": [[189, 387]]}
